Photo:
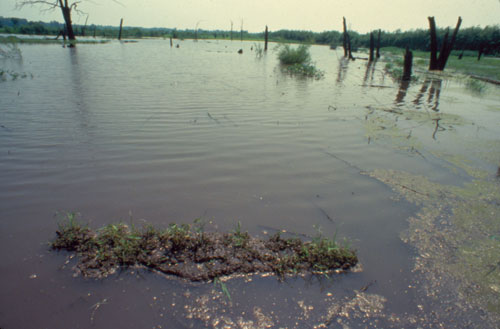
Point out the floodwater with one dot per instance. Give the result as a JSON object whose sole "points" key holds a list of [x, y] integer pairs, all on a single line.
{"points": [[142, 132]]}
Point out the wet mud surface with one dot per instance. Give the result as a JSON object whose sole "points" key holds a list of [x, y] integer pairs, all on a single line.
{"points": [[196, 256]]}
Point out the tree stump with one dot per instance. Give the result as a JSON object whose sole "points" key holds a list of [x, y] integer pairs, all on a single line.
{"points": [[372, 47], [266, 36], [120, 32], [407, 65], [378, 43]]}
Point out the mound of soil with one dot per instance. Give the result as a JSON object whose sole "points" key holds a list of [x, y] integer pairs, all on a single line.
{"points": [[196, 255]]}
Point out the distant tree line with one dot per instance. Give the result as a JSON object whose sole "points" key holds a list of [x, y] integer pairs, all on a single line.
{"points": [[486, 39]]}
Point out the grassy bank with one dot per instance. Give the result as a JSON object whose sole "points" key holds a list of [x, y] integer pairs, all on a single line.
{"points": [[488, 67], [189, 252]]}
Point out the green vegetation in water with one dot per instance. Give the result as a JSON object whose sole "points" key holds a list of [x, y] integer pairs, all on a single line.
{"points": [[259, 51], [11, 75], [456, 234], [10, 50], [387, 125], [394, 65], [306, 70], [189, 252], [297, 61], [476, 86], [394, 69], [456, 231], [290, 56], [223, 287]]}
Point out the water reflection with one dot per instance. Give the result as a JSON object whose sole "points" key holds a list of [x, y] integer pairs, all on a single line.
{"points": [[79, 98], [433, 94], [369, 72], [403, 89], [437, 128], [423, 90], [342, 71], [430, 88], [427, 96]]}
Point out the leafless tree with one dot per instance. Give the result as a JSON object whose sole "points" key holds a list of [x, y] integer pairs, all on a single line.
{"points": [[66, 8]]}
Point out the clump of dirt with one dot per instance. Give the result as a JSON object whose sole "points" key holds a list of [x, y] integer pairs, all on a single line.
{"points": [[188, 252]]}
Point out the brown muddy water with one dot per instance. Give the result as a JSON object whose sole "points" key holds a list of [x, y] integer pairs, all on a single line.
{"points": [[142, 132]]}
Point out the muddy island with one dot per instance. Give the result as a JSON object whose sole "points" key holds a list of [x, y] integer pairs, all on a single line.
{"points": [[188, 252]]}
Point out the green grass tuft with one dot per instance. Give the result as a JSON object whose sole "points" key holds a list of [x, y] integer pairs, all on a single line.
{"points": [[190, 252], [297, 61], [290, 56]]}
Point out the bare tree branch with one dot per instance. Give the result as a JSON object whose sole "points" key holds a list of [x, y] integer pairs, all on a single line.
{"points": [[66, 6], [52, 4]]}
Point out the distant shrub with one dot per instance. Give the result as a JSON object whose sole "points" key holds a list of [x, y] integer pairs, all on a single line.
{"points": [[289, 56], [297, 61]]}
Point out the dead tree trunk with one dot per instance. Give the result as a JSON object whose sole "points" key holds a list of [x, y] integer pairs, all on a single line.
{"points": [[266, 37], [448, 46], [480, 52], [433, 65], [231, 30], [442, 51], [372, 47], [346, 37], [171, 42], [120, 33], [439, 63], [349, 49], [378, 43], [66, 11], [407, 65], [347, 42]]}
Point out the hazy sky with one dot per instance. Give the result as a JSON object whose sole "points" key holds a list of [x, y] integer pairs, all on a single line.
{"points": [[314, 15]]}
